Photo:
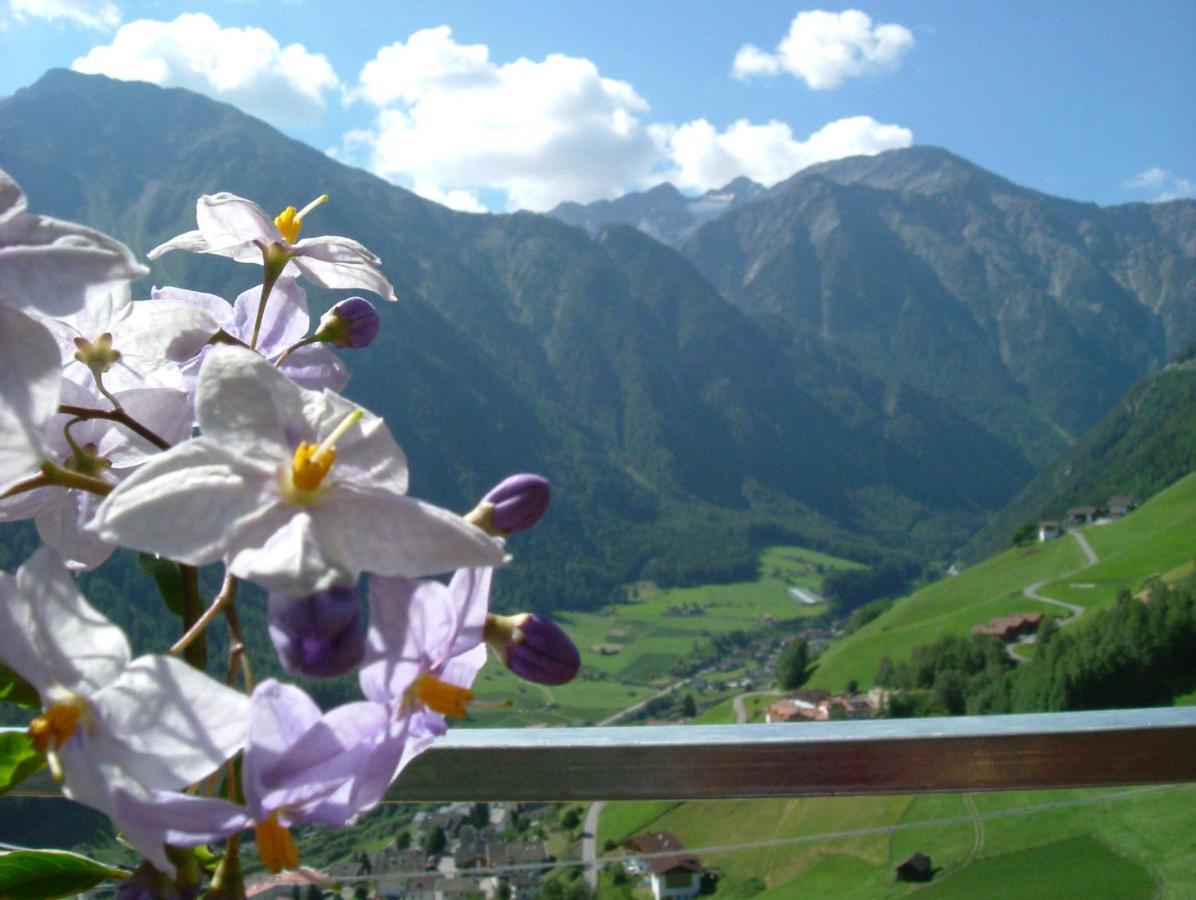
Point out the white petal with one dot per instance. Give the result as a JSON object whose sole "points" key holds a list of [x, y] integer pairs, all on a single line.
{"points": [[12, 198], [53, 637], [60, 526], [30, 378], [165, 412], [167, 724], [161, 330], [48, 265], [247, 406], [186, 504], [367, 457], [338, 262], [395, 535], [290, 560], [190, 241], [228, 221]]}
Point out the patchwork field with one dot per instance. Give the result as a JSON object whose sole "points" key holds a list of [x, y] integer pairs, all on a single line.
{"points": [[1134, 842], [628, 651]]}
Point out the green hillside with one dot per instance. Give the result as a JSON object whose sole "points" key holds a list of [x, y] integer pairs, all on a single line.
{"points": [[1153, 540]]}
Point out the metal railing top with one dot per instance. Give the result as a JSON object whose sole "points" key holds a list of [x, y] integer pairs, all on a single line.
{"points": [[886, 756]]}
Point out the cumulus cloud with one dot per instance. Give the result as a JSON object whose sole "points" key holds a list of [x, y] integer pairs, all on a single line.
{"points": [[705, 158], [824, 48], [1163, 184], [451, 120], [102, 15], [243, 66]]}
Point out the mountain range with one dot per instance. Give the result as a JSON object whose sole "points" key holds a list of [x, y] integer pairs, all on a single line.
{"points": [[870, 357]]}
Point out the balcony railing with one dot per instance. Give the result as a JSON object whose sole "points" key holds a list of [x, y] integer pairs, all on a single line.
{"points": [[887, 756]]}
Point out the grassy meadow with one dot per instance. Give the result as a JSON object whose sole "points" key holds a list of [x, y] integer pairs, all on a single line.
{"points": [[1158, 539]]}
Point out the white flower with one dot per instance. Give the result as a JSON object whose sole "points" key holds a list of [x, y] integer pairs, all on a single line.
{"points": [[107, 451], [294, 489], [30, 378], [132, 344], [238, 228], [153, 723], [47, 264]]}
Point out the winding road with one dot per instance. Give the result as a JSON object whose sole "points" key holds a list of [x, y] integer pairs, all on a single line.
{"points": [[1074, 610]]}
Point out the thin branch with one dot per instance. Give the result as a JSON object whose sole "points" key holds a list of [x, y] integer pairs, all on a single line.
{"points": [[237, 651], [310, 339], [228, 592], [115, 415], [196, 652]]}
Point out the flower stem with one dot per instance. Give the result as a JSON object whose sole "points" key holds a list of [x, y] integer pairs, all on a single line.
{"points": [[196, 652], [32, 483], [99, 377], [310, 339], [228, 592], [238, 655], [56, 474], [271, 269], [120, 417]]}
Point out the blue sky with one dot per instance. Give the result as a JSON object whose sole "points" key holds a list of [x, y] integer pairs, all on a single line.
{"points": [[523, 104]]}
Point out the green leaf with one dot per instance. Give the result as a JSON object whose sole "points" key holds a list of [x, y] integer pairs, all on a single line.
{"points": [[37, 874], [18, 760], [16, 689], [166, 575]]}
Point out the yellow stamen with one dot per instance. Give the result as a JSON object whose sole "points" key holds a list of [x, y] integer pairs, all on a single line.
{"points": [[56, 725], [442, 697], [289, 222], [312, 462], [276, 845]]}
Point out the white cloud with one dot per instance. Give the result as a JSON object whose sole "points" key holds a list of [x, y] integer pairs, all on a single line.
{"points": [[243, 66], [102, 15], [541, 132], [705, 158], [1164, 185], [824, 48]]}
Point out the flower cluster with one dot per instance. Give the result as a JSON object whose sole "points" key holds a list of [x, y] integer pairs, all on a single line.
{"points": [[198, 431]]}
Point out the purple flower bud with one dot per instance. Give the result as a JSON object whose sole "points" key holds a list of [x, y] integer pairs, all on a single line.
{"points": [[321, 635], [533, 648], [519, 501], [352, 323], [147, 883]]}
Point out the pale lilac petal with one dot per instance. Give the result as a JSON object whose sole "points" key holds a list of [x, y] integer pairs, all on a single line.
{"points": [[390, 534], [229, 222], [27, 505], [185, 504], [53, 637], [279, 714], [30, 381], [381, 766], [60, 526], [463, 668], [412, 625], [292, 560], [470, 590], [285, 322], [323, 763], [179, 819], [315, 368], [247, 406], [167, 724], [341, 263]]}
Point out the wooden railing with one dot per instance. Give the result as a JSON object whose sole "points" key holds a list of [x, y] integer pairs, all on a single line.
{"points": [[886, 756]]}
